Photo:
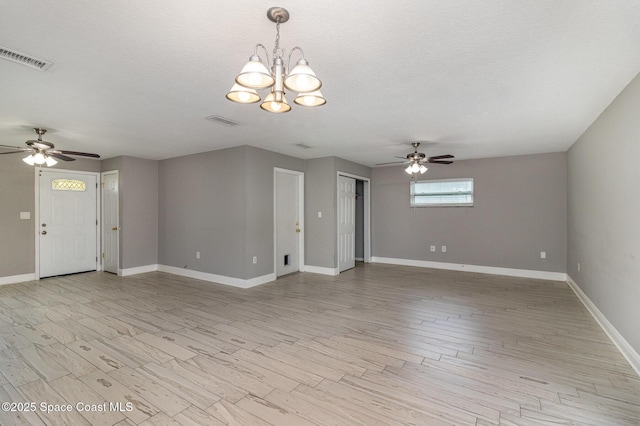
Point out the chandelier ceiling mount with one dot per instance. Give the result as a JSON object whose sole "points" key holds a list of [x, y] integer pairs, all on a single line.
{"points": [[278, 14]]}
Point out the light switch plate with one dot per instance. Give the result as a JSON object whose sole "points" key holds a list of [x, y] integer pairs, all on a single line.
{"points": [[25, 215]]}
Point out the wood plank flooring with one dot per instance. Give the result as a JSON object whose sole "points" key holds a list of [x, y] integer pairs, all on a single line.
{"points": [[376, 345]]}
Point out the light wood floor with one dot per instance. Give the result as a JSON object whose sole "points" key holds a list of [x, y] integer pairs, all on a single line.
{"points": [[376, 345]]}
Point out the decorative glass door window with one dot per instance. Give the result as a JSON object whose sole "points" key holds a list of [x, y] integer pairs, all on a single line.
{"points": [[68, 185]]}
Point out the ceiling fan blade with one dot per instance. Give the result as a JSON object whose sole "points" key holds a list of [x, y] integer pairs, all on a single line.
{"points": [[403, 158], [391, 162], [60, 156], [10, 152], [440, 157], [439, 162], [82, 154], [14, 148]]}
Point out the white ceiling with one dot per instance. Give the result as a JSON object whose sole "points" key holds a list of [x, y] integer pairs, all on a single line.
{"points": [[481, 79]]}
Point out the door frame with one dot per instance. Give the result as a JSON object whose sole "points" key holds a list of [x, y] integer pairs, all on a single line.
{"points": [[300, 176], [367, 215], [102, 229], [36, 215]]}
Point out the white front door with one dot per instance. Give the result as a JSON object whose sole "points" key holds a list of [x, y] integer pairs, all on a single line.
{"points": [[287, 222], [346, 223], [110, 225], [67, 229]]}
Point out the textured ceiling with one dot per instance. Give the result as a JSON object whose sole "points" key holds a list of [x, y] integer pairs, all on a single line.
{"points": [[480, 79]]}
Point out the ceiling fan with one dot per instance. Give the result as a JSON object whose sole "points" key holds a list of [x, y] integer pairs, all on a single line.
{"points": [[43, 152], [416, 160]]}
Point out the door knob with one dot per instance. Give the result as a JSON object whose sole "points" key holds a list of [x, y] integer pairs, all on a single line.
{"points": [[297, 230], [44, 232], [115, 228]]}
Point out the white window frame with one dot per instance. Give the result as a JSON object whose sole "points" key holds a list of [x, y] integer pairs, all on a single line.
{"points": [[412, 195]]}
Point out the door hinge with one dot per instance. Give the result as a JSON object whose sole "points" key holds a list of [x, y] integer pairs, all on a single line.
{"points": [[102, 185], [103, 255]]}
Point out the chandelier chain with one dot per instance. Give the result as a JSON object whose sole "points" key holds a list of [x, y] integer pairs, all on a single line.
{"points": [[277, 46]]}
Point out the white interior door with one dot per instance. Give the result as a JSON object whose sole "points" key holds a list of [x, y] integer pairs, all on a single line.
{"points": [[346, 223], [287, 222], [110, 225], [67, 232]]}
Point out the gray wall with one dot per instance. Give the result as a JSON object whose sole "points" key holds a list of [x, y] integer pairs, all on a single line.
{"points": [[321, 183], [519, 210], [220, 203], [139, 219], [17, 237], [604, 213], [201, 208], [17, 194], [320, 196]]}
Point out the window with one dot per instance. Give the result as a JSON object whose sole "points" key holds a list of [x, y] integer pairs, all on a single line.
{"points": [[68, 185], [442, 193]]}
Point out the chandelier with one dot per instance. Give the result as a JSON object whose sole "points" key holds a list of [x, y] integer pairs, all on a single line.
{"points": [[255, 76]]}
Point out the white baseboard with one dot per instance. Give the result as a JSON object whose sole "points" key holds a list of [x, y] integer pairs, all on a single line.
{"points": [[621, 343], [321, 270], [220, 279], [14, 279], [522, 273], [137, 270]]}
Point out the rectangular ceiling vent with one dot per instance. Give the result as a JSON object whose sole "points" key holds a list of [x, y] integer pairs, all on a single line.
{"points": [[302, 145], [221, 120], [21, 58]]}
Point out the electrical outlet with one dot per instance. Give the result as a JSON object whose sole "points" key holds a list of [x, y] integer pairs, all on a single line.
{"points": [[543, 255], [255, 259], [197, 255], [578, 266], [319, 215], [432, 248], [444, 249]]}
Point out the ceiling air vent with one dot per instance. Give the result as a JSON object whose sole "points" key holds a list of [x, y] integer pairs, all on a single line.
{"points": [[221, 120], [21, 58], [302, 145]]}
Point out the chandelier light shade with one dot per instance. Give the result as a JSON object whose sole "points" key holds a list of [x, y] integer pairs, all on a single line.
{"points": [[243, 95], [310, 99], [256, 75], [302, 78], [271, 104]]}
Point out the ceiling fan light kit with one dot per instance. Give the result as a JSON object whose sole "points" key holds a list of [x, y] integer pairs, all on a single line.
{"points": [[39, 158], [415, 168], [255, 75]]}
